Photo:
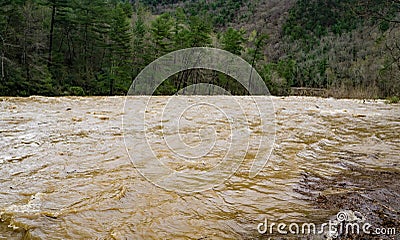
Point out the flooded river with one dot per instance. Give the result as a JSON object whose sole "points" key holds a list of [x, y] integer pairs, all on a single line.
{"points": [[65, 172]]}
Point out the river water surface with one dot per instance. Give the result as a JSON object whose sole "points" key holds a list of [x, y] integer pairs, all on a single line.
{"points": [[65, 172]]}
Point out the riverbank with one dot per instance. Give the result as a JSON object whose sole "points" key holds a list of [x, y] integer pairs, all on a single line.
{"points": [[341, 93], [375, 194]]}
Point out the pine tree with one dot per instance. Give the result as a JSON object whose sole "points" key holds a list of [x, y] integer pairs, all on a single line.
{"points": [[181, 32], [91, 19], [23, 44], [233, 40], [140, 48], [200, 32], [120, 51], [58, 8], [161, 32]]}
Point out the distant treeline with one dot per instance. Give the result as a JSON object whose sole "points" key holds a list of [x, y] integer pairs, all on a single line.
{"points": [[97, 47]]}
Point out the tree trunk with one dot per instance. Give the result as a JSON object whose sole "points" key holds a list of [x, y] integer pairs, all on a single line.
{"points": [[53, 15], [2, 58]]}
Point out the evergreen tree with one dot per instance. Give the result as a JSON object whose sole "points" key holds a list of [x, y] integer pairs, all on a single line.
{"points": [[57, 12], [140, 48], [233, 40], [200, 31], [92, 20], [120, 51], [181, 32], [161, 32]]}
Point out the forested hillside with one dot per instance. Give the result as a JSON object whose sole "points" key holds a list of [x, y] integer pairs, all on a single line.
{"points": [[351, 48]]}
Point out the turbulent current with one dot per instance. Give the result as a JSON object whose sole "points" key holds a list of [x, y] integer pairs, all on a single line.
{"points": [[70, 167]]}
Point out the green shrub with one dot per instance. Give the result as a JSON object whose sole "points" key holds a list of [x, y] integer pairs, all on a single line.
{"points": [[392, 100], [76, 91]]}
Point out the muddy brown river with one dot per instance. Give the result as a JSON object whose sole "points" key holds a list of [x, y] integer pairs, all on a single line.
{"points": [[65, 172]]}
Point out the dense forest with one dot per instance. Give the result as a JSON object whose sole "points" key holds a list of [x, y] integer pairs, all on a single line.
{"points": [[350, 48]]}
